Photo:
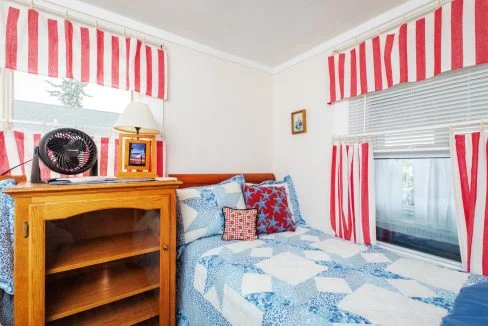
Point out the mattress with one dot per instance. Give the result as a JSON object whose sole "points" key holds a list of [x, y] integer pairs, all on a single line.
{"points": [[307, 277]]}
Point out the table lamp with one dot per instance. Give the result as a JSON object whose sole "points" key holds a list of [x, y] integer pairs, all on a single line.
{"points": [[137, 142]]}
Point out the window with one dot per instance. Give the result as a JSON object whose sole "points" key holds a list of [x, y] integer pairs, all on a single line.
{"points": [[425, 108], [415, 206], [409, 128], [42, 100]]}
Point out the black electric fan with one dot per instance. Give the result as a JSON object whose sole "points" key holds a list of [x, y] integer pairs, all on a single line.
{"points": [[66, 151]]}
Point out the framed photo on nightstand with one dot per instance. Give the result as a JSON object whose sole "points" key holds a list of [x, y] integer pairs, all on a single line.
{"points": [[137, 156]]}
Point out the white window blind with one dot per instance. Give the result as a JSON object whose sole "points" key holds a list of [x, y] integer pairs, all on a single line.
{"points": [[417, 116]]}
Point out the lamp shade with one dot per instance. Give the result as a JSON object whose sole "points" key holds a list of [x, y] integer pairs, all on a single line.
{"points": [[137, 117]]}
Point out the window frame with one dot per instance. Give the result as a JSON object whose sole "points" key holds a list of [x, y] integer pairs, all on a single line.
{"points": [[359, 120], [7, 98]]}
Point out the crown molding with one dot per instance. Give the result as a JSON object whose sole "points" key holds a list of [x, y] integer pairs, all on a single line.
{"points": [[369, 25], [167, 37], [88, 10]]}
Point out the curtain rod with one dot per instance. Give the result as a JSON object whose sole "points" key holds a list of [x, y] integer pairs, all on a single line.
{"points": [[398, 131], [109, 26], [390, 24]]}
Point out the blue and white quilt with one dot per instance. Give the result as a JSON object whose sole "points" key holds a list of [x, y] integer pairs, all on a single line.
{"points": [[309, 278]]}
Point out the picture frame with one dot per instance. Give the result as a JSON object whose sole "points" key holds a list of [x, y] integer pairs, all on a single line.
{"points": [[137, 155], [137, 152], [299, 122]]}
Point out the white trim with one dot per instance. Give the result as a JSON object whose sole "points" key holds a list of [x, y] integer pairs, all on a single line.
{"points": [[6, 96], [78, 10], [409, 253], [377, 25]]}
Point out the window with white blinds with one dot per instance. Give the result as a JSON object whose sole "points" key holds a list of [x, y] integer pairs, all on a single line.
{"points": [[417, 116]]}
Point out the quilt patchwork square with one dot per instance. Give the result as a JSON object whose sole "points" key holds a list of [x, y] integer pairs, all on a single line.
{"points": [[199, 209]]}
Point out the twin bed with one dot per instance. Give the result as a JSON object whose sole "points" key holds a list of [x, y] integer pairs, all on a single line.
{"points": [[307, 277]]}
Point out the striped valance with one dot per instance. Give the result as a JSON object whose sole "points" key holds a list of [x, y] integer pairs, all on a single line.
{"points": [[43, 44], [453, 36]]}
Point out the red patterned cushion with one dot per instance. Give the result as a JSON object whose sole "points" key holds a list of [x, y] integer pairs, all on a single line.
{"points": [[240, 224], [272, 205]]}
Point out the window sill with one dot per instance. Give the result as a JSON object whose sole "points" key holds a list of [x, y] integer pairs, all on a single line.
{"points": [[409, 253]]}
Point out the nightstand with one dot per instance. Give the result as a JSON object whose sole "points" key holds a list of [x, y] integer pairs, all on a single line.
{"points": [[95, 254]]}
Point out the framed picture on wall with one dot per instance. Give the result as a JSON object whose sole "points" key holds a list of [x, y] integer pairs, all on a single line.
{"points": [[299, 122]]}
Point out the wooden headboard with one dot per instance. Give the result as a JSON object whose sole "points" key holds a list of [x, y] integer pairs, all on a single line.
{"points": [[18, 178], [195, 180]]}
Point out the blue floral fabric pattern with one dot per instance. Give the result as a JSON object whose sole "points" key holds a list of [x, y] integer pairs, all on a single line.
{"points": [[307, 277], [6, 237], [6, 309], [199, 209]]}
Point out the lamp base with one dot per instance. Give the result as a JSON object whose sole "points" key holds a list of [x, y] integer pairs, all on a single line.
{"points": [[136, 175]]}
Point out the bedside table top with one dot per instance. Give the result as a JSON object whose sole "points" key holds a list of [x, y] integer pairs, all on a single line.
{"points": [[41, 188]]}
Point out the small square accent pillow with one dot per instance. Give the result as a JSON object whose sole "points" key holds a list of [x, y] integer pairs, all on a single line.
{"points": [[272, 205], [240, 224]]}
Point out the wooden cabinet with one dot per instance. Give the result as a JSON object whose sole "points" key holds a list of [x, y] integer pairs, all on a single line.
{"points": [[95, 254]]}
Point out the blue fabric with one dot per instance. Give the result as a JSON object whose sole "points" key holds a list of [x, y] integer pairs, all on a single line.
{"points": [[297, 213], [6, 238], [307, 277], [199, 209], [470, 307], [6, 309]]}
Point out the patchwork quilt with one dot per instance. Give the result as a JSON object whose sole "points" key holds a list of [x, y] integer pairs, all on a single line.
{"points": [[309, 278]]}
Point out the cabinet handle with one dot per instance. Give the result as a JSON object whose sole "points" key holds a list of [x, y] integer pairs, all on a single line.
{"points": [[26, 230], [165, 247]]}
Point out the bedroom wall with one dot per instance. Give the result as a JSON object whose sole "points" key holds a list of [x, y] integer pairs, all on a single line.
{"points": [[218, 115], [306, 157]]}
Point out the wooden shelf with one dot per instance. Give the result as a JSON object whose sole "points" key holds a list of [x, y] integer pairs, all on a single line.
{"points": [[126, 312], [71, 295], [100, 250]]}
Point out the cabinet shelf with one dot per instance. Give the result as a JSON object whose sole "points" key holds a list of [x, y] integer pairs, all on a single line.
{"points": [[100, 250], [126, 312], [71, 295]]}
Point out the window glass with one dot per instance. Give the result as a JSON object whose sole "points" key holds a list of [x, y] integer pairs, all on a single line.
{"points": [[414, 205], [66, 102]]}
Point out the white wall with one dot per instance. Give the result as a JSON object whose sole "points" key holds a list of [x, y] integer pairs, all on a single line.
{"points": [[306, 157], [218, 115]]}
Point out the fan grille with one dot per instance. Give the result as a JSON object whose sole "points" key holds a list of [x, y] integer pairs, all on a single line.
{"points": [[68, 151]]}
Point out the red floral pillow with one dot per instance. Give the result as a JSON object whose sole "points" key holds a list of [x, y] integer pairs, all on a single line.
{"points": [[272, 205], [240, 224]]}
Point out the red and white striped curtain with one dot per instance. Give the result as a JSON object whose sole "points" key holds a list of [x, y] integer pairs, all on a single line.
{"points": [[469, 155], [17, 147], [452, 37], [42, 44], [352, 197]]}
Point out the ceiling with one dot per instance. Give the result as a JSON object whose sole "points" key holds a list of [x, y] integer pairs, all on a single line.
{"points": [[268, 32]]}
